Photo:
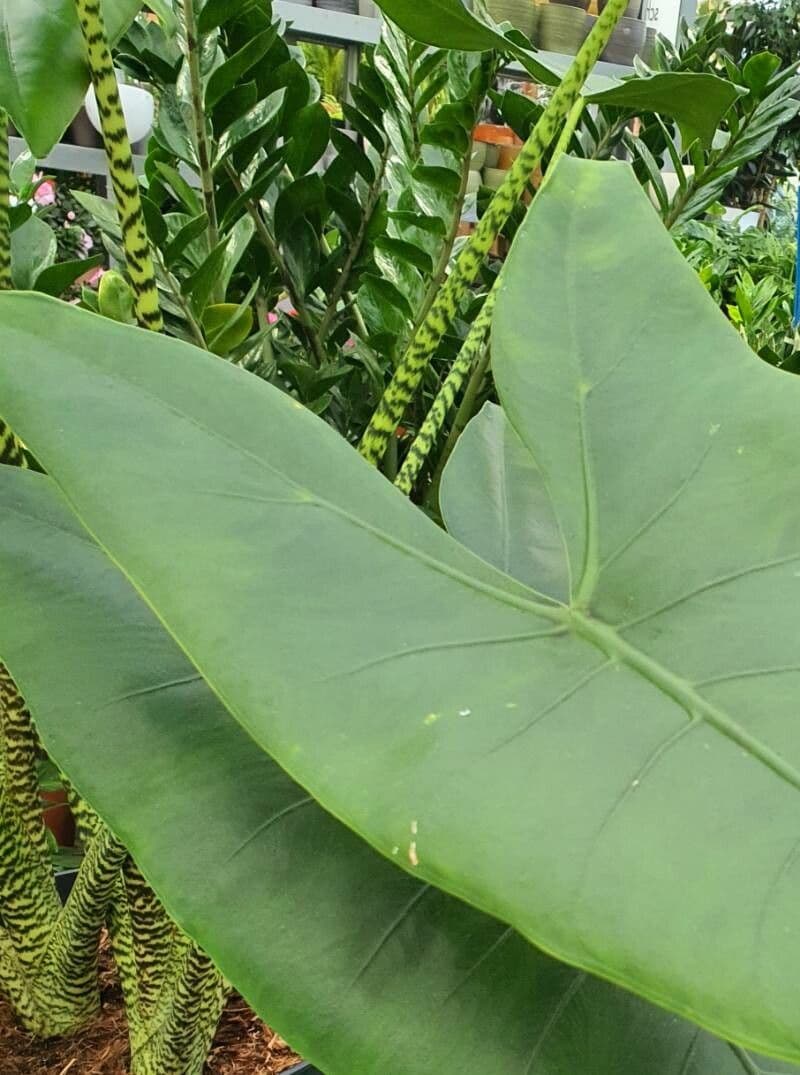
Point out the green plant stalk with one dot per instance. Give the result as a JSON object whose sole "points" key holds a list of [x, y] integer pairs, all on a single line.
{"points": [[12, 451], [171, 1010], [431, 428], [697, 181], [464, 414], [120, 163], [48, 967], [67, 976], [409, 372], [404, 42], [340, 287], [181, 300], [29, 905], [271, 246], [173, 993], [440, 272], [6, 283], [201, 130], [188, 1021], [562, 145]]}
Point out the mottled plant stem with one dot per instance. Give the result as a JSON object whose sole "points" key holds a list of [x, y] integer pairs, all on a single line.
{"points": [[562, 145], [474, 346], [271, 245], [440, 272], [135, 240], [411, 369], [463, 416], [356, 246]]}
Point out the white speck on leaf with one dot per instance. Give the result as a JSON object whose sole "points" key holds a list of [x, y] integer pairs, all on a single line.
{"points": [[511, 705], [432, 718], [464, 712], [414, 828], [635, 784], [413, 857], [714, 429], [395, 850]]}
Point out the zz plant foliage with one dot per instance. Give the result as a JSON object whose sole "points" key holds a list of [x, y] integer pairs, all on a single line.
{"points": [[518, 786]]}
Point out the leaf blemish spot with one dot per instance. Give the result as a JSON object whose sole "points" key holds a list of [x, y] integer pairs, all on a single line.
{"points": [[414, 828], [464, 712], [413, 857], [432, 718]]}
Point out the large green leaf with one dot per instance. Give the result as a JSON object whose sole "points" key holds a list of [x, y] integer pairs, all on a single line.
{"points": [[444, 23], [43, 74], [342, 951], [615, 777], [697, 101]]}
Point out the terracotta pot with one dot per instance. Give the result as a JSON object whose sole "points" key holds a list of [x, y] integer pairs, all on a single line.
{"points": [[495, 134], [508, 154], [58, 818]]}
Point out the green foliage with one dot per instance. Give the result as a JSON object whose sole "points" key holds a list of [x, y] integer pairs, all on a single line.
{"points": [[41, 48], [383, 717], [49, 244], [750, 274], [735, 41], [403, 942], [487, 750], [766, 26], [357, 228]]}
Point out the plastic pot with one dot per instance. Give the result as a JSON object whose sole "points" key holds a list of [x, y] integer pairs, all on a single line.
{"points": [[626, 42], [562, 28]]}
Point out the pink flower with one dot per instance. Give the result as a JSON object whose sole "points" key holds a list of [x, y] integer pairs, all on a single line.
{"points": [[45, 193], [70, 215], [92, 277], [272, 318], [86, 242]]}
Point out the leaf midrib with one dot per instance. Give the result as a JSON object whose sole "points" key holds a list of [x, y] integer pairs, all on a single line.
{"points": [[697, 707]]}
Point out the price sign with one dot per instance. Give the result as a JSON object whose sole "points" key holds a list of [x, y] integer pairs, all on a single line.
{"points": [[664, 16]]}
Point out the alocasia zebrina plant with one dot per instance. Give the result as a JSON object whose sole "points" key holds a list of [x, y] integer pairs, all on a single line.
{"points": [[612, 774], [334, 945]]}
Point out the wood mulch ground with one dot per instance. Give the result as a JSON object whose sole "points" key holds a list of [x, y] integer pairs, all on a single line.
{"points": [[243, 1045]]}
